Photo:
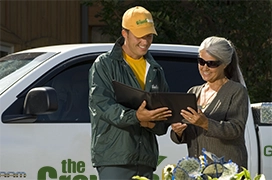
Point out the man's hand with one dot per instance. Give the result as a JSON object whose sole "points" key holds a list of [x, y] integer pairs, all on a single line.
{"points": [[159, 114]]}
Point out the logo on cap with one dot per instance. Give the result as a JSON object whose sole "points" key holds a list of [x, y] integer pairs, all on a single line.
{"points": [[144, 21]]}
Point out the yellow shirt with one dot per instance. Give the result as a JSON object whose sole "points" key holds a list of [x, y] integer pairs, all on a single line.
{"points": [[138, 66]]}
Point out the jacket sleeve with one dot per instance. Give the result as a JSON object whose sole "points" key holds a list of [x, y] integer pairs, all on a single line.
{"points": [[102, 104], [232, 116], [160, 128], [175, 138]]}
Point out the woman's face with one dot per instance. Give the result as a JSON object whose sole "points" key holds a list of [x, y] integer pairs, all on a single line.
{"points": [[210, 74]]}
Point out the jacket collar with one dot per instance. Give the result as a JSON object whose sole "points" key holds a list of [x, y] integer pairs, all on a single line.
{"points": [[116, 52]]}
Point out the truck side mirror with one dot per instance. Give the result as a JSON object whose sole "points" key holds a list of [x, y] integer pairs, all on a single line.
{"points": [[41, 100]]}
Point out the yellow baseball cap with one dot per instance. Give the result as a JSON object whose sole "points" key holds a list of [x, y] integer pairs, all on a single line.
{"points": [[139, 21]]}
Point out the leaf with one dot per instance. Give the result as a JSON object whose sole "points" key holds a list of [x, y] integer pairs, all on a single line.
{"points": [[259, 177], [246, 174], [239, 175], [160, 159]]}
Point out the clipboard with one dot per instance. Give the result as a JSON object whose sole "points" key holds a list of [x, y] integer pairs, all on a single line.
{"points": [[131, 97]]}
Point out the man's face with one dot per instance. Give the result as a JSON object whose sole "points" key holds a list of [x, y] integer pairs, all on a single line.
{"points": [[136, 47]]}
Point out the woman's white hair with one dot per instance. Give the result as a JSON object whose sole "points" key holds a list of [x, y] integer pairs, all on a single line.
{"points": [[223, 50], [218, 47]]}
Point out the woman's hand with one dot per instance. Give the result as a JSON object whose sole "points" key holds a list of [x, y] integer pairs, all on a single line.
{"points": [[195, 118], [178, 128]]}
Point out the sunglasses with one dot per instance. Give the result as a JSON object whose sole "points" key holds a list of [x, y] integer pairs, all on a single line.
{"points": [[210, 64]]}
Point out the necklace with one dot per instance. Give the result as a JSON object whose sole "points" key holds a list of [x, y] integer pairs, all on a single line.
{"points": [[205, 102]]}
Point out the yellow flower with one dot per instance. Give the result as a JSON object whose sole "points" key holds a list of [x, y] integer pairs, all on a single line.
{"points": [[169, 168], [202, 161], [139, 178], [168, 171]]}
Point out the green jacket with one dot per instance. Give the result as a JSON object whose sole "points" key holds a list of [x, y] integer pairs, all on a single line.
{"points": [[117, 137]]}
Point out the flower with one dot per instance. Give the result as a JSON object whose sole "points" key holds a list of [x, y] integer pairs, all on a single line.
{"points": [[191, 166], [139, 178], [229, 171], [168, 171], [201, 169]]}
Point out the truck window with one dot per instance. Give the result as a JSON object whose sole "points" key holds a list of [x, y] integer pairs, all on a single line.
{"points": [[71, 84], [72, 87], [14, 66], [181, 73], [72, 90], [11, 63]]}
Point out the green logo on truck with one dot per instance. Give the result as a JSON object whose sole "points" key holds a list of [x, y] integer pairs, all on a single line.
{"points": [[68, 167], [268, 150], [72, 170]]}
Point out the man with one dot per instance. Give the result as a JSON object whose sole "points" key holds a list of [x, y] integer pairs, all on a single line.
{"points": [[124, 140]]}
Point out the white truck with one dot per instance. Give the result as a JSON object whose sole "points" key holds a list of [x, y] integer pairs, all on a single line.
{"points": [[44, 119]]}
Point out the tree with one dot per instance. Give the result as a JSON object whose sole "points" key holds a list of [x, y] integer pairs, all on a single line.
{"points": [[246, 23]]}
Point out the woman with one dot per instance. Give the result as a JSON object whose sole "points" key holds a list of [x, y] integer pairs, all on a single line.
{"points": [[219, 124]]}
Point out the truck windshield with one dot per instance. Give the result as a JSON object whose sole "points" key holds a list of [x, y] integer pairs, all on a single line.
{"points": [[15, 66], [11, 63]]}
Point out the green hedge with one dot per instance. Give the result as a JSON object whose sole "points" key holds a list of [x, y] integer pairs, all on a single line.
{"points": [[246, 23]]}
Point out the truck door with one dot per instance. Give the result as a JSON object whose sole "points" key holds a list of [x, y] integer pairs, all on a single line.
{"points": [[55, 145], [262, 113]]}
